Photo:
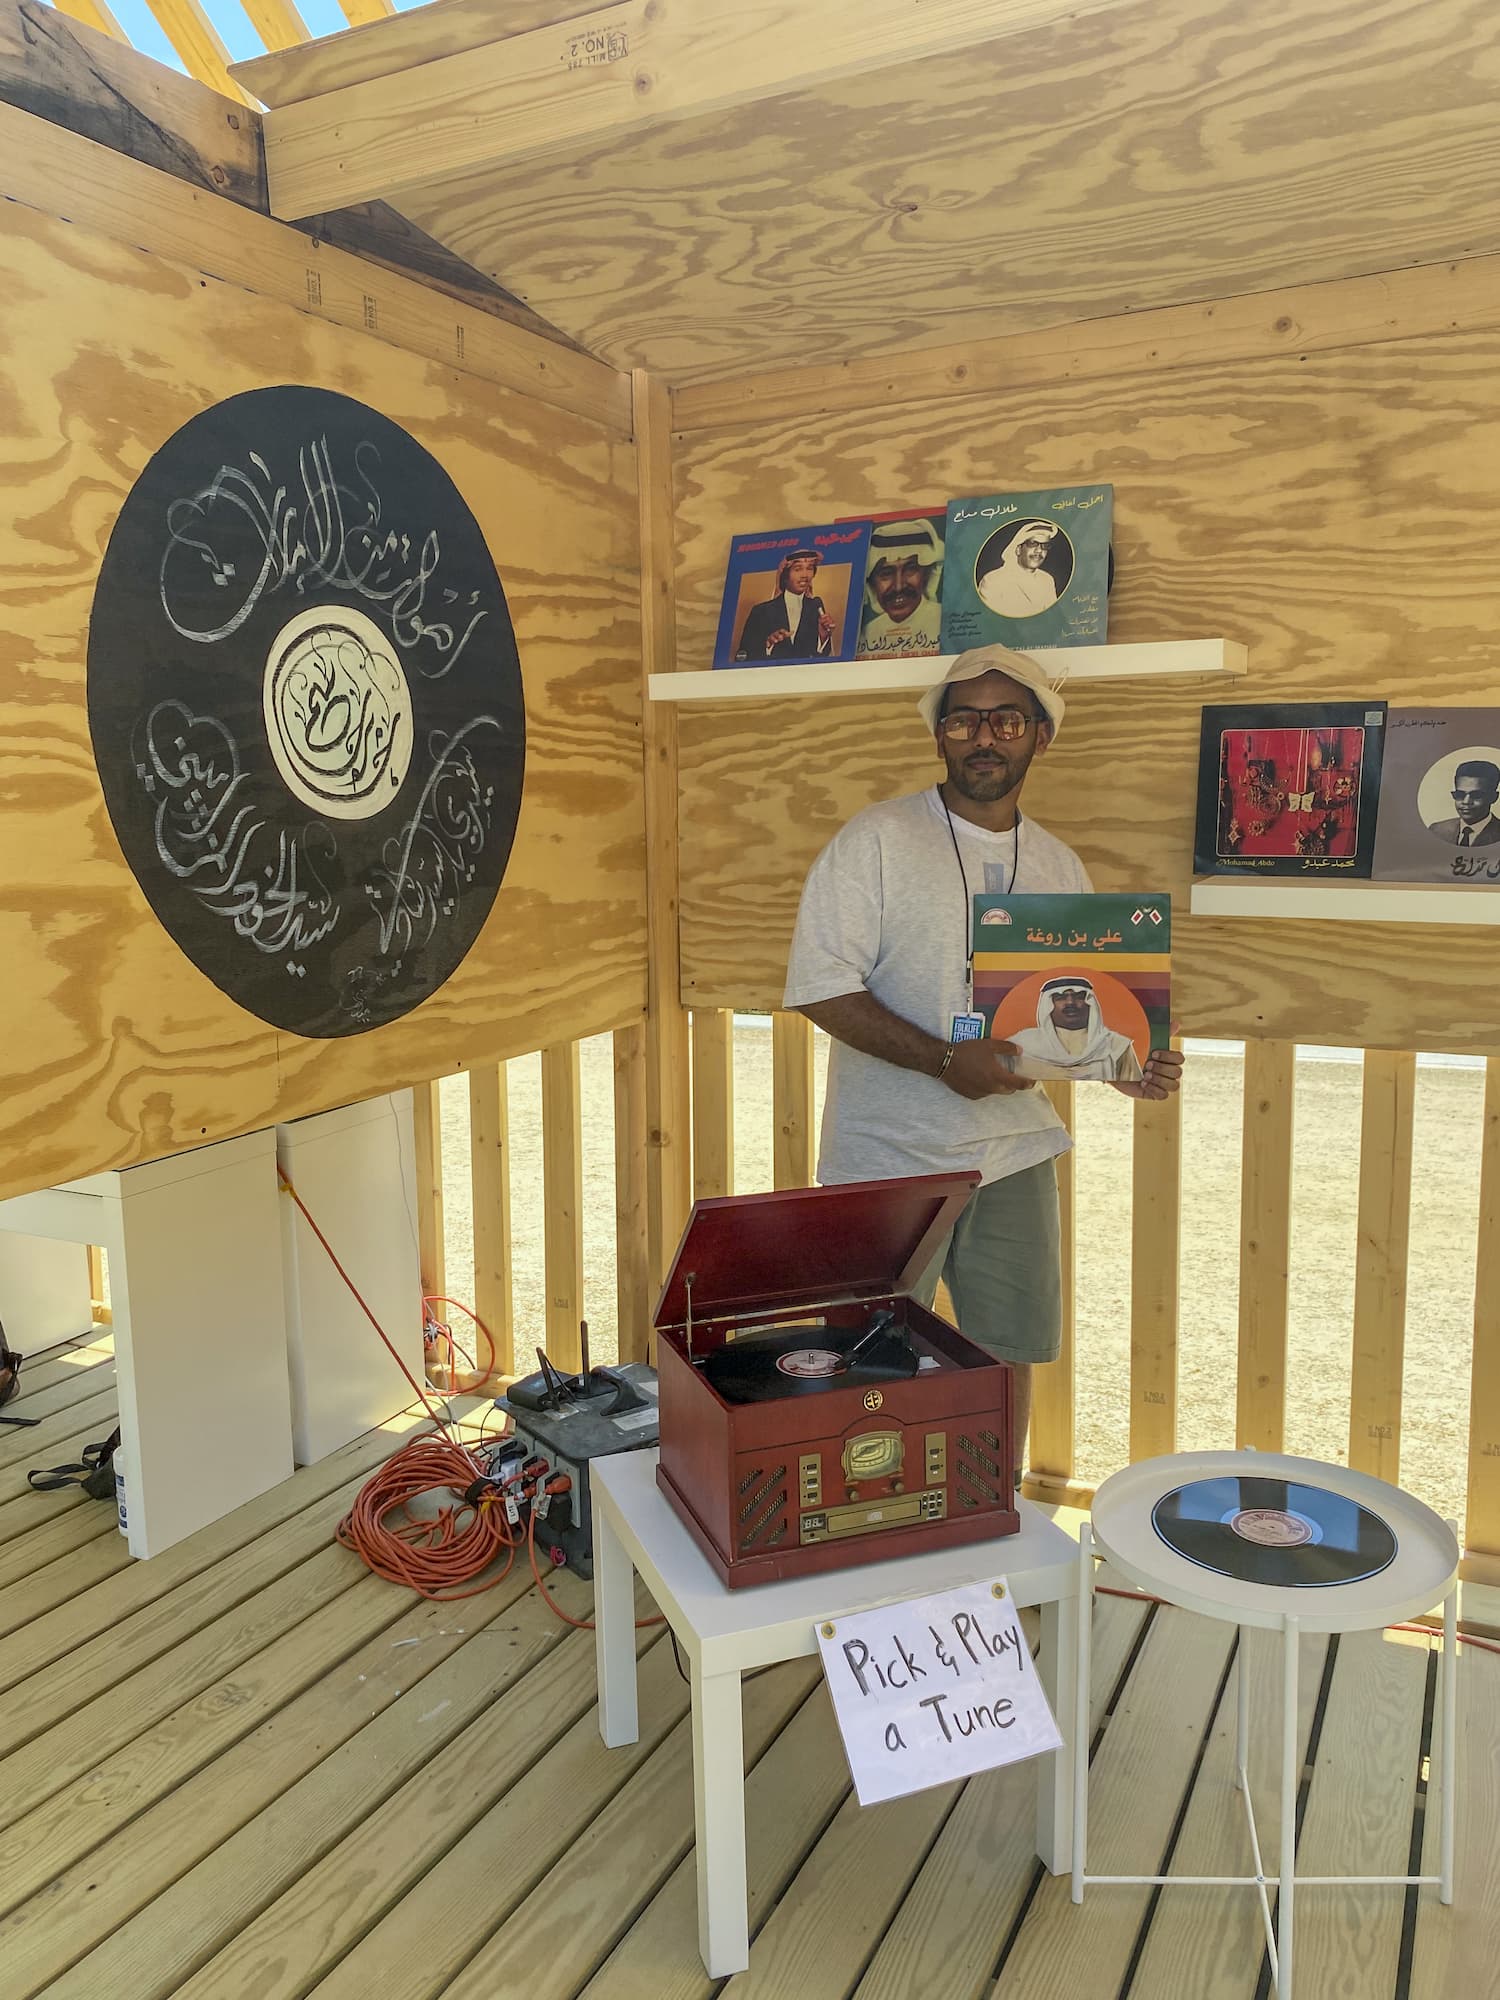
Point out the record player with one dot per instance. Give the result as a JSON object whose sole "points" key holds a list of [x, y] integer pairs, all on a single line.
{"points": [[813, 1414]]}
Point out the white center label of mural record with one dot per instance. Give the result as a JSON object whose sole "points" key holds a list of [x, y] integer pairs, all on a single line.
{"points": [[934, 1688]]}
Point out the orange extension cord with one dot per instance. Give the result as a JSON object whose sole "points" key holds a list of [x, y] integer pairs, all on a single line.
{"points": [[439, 1556]]}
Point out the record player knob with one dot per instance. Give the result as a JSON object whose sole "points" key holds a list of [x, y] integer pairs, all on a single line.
{"points": [[898, 1486], [852, 1492]]}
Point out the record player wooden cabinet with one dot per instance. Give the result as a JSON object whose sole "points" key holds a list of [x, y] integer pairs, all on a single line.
{"points": [[849, 1473]]}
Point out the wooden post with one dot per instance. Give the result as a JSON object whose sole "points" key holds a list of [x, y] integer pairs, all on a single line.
{"points": [[1156, 1228], [1482, 1513], [562, 1196], [633, 1288], [668, 1116], [1385, 1141], [1052, 1388], [713, 1102], [489, 1178], [1265, 1241], [97, 1307], [427, 1134], [792, 1100]]}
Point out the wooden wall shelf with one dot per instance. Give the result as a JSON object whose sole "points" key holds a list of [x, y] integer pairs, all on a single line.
{"points": [[1347, 902], [1224, 657]]}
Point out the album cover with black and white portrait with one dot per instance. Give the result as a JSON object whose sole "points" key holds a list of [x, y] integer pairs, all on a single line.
{"points": [[1440, 797], [1027, 569]]}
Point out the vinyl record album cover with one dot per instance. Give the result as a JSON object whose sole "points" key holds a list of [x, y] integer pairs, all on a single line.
{"points": [[793, 594], [1440, 797], [1027, 569], [1080, 984], [1289, 789], [901, 617]]}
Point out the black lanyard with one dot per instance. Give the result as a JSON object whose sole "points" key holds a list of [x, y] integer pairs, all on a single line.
{"points": [[963, 876]]}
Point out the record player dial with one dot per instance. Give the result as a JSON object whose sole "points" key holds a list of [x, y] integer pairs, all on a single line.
{"points": [[872, 1455]]}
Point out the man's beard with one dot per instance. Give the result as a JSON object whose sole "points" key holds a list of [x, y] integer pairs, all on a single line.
{"points": [[984, 787]]}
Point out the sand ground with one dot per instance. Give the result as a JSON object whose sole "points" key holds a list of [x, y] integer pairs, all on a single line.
{"points": [[1445, 1204]]}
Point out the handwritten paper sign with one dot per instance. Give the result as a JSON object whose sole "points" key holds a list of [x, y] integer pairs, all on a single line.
{"points": [[934, 1688]]}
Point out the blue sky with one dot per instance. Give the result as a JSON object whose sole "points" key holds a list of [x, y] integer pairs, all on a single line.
{"points": [[323, 17]]}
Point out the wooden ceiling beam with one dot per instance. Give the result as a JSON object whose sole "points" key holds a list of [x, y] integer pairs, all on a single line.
{"points": [[196, 40], [277, 22], [93, 14], [360, 13], [636, 64]]}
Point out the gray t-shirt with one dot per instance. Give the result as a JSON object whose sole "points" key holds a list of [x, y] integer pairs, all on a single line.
{"points": [[884, 908]]}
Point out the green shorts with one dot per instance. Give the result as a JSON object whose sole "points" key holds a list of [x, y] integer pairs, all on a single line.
{"points": [[1003, 1266]]}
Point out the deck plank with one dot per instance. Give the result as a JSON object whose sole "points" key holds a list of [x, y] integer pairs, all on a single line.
{"points": [[1140, 1772], [70, 1361], [790, 1798], [79, 1384], [48, 1541], [56, 1439], [32, 1597], [265, 1911], [1458, 1948], [565, 1924], [121, 1624], [1359, 1815], [1213, 1940], [79, 1908], [949, 1933]]}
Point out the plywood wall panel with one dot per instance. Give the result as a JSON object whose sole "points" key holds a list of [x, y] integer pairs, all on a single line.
{"points": [[1333, 512], [116, 1048]]}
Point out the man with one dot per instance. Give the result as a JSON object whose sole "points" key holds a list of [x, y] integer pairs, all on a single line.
{"points": [[1476, 786], [1071, 1038], [903, 581], [791, 625], [880, 960], [1018, 586]]}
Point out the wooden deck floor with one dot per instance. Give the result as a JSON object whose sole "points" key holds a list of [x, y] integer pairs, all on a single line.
{"points": [[248, 1769]]}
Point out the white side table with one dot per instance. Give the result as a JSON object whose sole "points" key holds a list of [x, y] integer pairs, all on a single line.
{"points": [[726, 1633], [1423, 1571]]}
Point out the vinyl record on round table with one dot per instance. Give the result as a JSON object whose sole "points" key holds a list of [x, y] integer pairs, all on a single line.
{"points": [[805, 1361], [1276, 1532], [306, 708]]}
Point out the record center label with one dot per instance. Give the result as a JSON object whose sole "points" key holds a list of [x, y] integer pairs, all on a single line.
{"points": [[810, 1361], [1271, 1528]]}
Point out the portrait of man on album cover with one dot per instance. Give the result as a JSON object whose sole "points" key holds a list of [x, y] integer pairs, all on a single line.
{"points": [[793, 596]]}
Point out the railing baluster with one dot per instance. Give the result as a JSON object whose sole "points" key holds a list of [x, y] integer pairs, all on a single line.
{"points": [[427, 1135], [792, 1100], [1156, 1225], [633, 1290], [1385, 1146], [489, 1180], [562, 1194], [713, 1102], [1265, 1242], [1482, 1513], [1053, 1388]]}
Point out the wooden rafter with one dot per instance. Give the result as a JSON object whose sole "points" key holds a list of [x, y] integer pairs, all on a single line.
{"points": [[93, 14], [360, 13], [576, 83], [196, 40], [277, 22]]}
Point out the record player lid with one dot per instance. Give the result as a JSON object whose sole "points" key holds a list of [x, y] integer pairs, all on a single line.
{"points": [[800, 1245]]}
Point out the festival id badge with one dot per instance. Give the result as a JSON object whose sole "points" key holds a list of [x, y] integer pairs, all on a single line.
{"points": [[967, 1028]]}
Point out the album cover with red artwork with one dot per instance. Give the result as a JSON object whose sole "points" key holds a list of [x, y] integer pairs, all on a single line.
{"points": [[1290, 789]]}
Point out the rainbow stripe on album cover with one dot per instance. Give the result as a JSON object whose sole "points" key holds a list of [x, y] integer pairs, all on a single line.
{"points": [[1071, 979]]}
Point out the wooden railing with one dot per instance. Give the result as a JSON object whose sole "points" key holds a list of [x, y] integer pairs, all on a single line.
{"points": [[1265, 1222]]}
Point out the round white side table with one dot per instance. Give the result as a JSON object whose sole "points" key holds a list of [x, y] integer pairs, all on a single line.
{"points": [[1423, 1570]]}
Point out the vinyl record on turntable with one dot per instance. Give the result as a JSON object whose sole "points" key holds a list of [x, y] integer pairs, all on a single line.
{"points": [[1274, 1531], [805, 1361]]}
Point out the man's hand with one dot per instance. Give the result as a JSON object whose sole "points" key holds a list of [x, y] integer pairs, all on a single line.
{"points": [[776, 639], [1162, 1077], [982, 1069], [825, 629]]}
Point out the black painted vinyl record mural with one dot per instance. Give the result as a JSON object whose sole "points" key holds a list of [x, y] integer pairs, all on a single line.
{"points": [[306, 708]]}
